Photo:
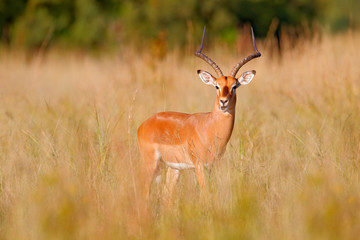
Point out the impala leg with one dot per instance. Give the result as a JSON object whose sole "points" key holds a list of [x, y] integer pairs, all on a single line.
{"points": [[200, 175], [172, 177], [199, 171], [151, 167], [151, 173]]}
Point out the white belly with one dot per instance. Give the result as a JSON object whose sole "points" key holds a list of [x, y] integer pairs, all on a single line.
{"points": [[180, 166], [175, 157]]}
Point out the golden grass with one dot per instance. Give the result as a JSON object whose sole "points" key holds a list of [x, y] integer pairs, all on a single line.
{"points": [[70, 164]]}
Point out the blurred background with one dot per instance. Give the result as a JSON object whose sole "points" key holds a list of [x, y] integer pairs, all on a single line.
{"points": [[99, 24], [78, 77]]}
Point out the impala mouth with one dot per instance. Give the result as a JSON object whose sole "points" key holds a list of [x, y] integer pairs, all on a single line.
{"points": [[223, 108]]}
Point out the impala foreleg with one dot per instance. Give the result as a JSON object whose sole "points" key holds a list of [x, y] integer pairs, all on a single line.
{"points": [[199, 171]]}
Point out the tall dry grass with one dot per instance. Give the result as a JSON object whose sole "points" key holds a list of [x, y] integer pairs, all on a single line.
{"points": [[69, 164]]}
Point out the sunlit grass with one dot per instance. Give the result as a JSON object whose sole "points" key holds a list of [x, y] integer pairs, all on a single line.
{"points": [[70, 166]]}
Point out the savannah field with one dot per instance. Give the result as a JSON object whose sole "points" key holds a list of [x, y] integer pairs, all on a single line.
{"points": [[70, 165]]}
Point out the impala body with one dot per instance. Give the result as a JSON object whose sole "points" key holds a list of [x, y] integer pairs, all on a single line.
{"points": [[192, 141]]}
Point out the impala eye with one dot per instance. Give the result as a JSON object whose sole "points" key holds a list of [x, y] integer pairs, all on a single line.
{"points": [[217, 87]]}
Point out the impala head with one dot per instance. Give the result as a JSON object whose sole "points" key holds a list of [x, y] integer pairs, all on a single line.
{"points": [[226, 85]]}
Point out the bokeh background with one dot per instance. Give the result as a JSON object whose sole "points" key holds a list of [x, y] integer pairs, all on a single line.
{"points": [[77, 78], [117, 23]]}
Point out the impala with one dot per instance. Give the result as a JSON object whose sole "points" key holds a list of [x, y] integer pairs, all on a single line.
{"points": [[193, 141]]}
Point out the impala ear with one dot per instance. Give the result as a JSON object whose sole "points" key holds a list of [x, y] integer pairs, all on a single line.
{"points": [[207, 78], [246, 77]]}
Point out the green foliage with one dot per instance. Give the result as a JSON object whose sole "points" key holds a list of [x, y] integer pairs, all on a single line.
{"points": [[81, 23], [95, 23], [342, 14]]}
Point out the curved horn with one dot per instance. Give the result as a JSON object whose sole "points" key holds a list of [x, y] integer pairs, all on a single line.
{"points": [[236, 68], [206, 58]]}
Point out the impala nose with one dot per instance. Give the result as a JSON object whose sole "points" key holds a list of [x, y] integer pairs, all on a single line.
{"points": [[224, 102]]}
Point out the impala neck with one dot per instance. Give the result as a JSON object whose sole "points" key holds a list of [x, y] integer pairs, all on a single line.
{"points": [[224, 121]]}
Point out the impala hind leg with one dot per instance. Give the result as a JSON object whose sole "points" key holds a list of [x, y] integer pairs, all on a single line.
{"points": [[151, 160], [172, 177]]}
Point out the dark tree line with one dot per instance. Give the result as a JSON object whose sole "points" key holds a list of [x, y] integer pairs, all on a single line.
{"points": [[97, 23]]}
